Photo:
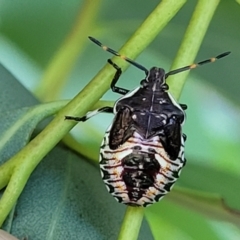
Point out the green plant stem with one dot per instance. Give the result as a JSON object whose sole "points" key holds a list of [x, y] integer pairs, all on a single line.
{"points": [[30, 156], [150, 28], [191, 43], [55, 76], [131, 224]]}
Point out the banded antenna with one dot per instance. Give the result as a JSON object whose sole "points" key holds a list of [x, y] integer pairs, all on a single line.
{"points": [[139, 66], [195, 65], [105, 48]]}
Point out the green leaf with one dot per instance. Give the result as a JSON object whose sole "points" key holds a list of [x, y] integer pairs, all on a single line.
{"points": [[204, 178], [170, 221], [211, 205], [17, 125]]}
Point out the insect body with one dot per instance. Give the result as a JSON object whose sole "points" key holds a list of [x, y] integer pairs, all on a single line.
{"points": [[142, 152]]}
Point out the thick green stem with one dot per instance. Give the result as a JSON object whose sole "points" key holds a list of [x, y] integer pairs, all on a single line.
{"points": [[132, 223], [191, 43], [150, 28], [55, 76]]}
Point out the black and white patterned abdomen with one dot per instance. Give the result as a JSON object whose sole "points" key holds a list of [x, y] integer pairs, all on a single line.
{"points": [[139, 172]]}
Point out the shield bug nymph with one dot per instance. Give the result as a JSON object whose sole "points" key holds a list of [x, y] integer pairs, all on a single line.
{"points": [[142, 153]]}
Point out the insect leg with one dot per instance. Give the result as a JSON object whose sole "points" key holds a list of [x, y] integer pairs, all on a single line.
{"points": [[184, 137], [90, 114], [117, 75], [183, 106]]}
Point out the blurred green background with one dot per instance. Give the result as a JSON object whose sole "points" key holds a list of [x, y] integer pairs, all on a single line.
{"points": [[32, 31]]}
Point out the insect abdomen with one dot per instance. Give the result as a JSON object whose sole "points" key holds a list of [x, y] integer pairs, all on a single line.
{"points": [[139, 172]]}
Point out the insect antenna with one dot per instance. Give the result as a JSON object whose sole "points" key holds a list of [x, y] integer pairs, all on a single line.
{"points": [[105, 48], [195, 65]]}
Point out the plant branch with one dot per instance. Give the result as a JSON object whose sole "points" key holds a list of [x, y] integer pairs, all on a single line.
{"points": [[132, 223], [191, 43], [55, 76]]}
